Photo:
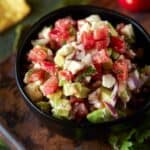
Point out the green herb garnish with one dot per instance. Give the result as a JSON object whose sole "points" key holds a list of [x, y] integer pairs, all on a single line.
{"points": [[88, 72]]}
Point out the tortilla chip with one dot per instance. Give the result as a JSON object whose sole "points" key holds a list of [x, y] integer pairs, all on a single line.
{"points": [[11, 12]]}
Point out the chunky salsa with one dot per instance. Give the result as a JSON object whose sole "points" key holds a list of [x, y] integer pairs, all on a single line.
{"points": [[85, 70]]}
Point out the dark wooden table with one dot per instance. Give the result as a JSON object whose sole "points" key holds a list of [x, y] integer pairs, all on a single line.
{"points": [[24, 125]]}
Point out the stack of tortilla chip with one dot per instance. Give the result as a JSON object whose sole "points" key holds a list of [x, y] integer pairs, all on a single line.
{"points": [[11, 12]]}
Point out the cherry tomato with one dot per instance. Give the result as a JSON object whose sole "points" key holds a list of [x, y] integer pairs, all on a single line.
{"points": [[135, 5]]}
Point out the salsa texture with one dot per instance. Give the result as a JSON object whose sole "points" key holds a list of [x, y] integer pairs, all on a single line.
{"points": [[86, 70]]}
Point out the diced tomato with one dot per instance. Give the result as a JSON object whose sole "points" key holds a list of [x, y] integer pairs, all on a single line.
{"points": [[54, 34], [48, 67], [65, 23], [98, 74], [101, 57], [50, 86], [118, 44], [120, 68], [88, 40], [101, 33], [102, 44], [37, 75], [37, 54], [59, 37], [101, 36], [67, 75], [62, 32]]}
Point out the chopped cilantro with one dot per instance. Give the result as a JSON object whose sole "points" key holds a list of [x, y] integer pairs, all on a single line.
{"points": [[88, 72]]}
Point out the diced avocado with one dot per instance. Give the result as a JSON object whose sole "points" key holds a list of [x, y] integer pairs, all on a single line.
{"points": [[59, 60], [113, 31], [146, 70], [72, 31], [62, 82], [128, 31], [81, 91], [124, 93], [44, 106], [65, 50], [33, 91], [68, 89], [108, 65], [60, 108], [56, 95], [115, 55], [106, 95], [109, 51], [98, 116], [76, 89], [27, 75]]}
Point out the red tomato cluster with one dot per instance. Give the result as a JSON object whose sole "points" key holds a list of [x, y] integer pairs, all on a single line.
{"points": [[118, 44], [62, 32], [37, 54], [36, 75], [98, 39]]}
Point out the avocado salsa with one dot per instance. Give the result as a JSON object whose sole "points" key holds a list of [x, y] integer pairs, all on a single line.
{"points": [[85, 69]]}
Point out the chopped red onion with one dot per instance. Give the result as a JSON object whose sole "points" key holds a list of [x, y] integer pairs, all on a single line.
{"points": [[131, 83], [113, 94], [111, 109]]}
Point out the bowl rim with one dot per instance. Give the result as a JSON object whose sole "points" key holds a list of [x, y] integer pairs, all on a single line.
{"points": [[66, 122]]}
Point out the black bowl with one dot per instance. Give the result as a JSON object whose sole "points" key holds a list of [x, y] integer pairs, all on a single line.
{"points": [[84, 128]]}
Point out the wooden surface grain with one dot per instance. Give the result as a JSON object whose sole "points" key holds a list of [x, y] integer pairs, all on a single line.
{"points": [[24, 125]]}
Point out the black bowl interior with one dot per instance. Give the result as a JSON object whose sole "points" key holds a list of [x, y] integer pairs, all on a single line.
{"points": [[78, 12]]}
